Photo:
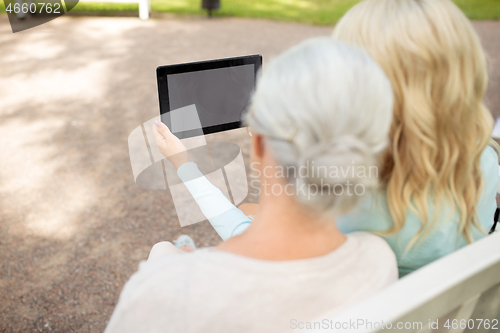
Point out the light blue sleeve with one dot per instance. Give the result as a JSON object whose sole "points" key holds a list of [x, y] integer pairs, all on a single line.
{"points": [[226, 219], [488, 203]]}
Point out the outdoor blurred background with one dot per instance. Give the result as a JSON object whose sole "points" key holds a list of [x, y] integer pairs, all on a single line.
{"points": [[318, 12], [73, 224]]}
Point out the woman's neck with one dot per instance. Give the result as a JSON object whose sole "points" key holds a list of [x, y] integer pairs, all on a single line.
{"points": [[282, 231]]}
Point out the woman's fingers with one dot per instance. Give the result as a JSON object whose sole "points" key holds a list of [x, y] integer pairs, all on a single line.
{"points": [[158, 136], [168, 144], [163, 129], [161, 142]]}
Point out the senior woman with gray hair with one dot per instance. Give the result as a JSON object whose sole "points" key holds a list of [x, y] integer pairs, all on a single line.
{"points": [[323, 106]]}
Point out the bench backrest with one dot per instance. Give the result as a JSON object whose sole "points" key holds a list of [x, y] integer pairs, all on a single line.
{"points": [[460, 291]]}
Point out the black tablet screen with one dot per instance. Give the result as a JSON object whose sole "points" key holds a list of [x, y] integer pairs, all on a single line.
{"points": [[220, 95]]}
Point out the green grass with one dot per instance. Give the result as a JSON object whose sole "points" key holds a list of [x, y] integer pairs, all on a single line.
{"points": [[319, 12], [480, 9]]}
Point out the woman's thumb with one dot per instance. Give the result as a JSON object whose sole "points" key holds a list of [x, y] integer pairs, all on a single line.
{"points": [[162, 128]]}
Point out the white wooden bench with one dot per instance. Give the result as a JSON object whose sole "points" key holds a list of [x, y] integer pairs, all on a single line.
{"points": [[462, 289]]}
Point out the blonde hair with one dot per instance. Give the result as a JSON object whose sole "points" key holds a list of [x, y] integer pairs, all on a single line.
{"points": [[440, 126]]}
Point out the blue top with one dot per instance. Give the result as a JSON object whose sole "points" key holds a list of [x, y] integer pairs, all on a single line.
{"points": [[374, 215]]}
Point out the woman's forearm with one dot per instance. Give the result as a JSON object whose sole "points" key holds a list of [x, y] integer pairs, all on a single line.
{"points": [[226, 219]]}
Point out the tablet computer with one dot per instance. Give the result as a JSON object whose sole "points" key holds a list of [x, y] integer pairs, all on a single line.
{"points": [[208, 96]]}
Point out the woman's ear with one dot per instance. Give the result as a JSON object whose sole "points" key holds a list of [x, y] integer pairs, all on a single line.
{"points": [[258, 147]]}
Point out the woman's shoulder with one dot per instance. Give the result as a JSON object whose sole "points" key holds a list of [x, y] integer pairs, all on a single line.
{"points": [[153, 296], [161, 271], [372, 247], [368, 241], [177, 263], [372, 216], [489, 162], [489, 169], [371, 253]]}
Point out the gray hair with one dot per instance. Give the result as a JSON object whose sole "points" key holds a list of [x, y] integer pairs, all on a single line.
{"points": [[324, 104]]}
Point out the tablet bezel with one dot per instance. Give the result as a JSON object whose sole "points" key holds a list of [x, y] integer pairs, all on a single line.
{"points": [[163, 71]]}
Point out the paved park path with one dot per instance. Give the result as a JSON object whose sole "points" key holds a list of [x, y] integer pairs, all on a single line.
{"points": [[73, 224]]}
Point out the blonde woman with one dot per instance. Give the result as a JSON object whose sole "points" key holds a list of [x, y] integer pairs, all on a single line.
{"points": [[317, 103], [439, 176]]}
